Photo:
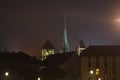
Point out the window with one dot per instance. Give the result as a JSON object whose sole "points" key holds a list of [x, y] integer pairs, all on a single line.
{"points": [[113, 58], [97, 71], [89, 64], [113, 73], [105, 64], [97, 58], [105, 71], [113, 64], [89, 58], [105, 58], [97, 64], [114, 78]]}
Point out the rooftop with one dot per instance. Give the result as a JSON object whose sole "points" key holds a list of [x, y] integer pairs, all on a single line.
{"points": [[57, 59], [101, 51]]}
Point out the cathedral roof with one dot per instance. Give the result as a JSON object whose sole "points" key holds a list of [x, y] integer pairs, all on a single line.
{"points": [[48, 45], [101, 51]]}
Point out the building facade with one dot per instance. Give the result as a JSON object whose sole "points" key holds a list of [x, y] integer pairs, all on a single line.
{"points": [[93, 63], [100, 63]]}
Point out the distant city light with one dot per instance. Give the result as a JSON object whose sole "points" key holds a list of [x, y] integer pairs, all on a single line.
{"points": [[91, 71], [99, 78], [38, 78], [6, 73], [117, 20]]}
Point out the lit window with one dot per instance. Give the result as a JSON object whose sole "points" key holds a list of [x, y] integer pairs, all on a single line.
{"points": [[97, 71]]}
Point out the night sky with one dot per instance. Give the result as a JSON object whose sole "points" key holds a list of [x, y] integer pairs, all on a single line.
{"points": [[25, 25]]}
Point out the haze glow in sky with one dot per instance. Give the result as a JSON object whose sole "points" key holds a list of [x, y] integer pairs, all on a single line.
{"points": [[27, 24]]}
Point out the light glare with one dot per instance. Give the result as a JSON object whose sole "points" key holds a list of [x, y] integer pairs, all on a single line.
{"points": [[6, 73], [38, 78], [91, 71], [99, 78], [117, 20]]}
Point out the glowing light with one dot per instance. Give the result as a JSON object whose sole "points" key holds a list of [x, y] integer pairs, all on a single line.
{"points": [[6, 73], [99, 78], [116, 27], [97, 71], [117, 20], [91, 71], [38, 78]]}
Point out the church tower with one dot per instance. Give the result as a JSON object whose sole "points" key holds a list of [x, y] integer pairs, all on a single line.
{"points": [[65, 47], [82, 44], [47, 49], [80, 47]]}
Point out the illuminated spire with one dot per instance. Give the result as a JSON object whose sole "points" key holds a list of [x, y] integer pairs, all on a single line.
{"points": [[65, 47]]}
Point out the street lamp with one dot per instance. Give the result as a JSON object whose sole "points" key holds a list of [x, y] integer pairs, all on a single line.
{"points": [[38, 78], [99, 78], [91, 72], [6, 74]]}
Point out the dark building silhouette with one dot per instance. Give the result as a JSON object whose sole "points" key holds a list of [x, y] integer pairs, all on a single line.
{"points": [[93, 63], [64, 66], [19, 65]]}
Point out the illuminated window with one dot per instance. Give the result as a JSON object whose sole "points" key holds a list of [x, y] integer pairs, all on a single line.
{"points": [[47, 52], [97, 71]]}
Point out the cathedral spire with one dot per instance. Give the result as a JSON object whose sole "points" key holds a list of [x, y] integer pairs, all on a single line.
{"points": [[65, 47]]}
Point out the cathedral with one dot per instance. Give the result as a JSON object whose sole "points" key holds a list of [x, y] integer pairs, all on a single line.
{"points": [[48, 48]]}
